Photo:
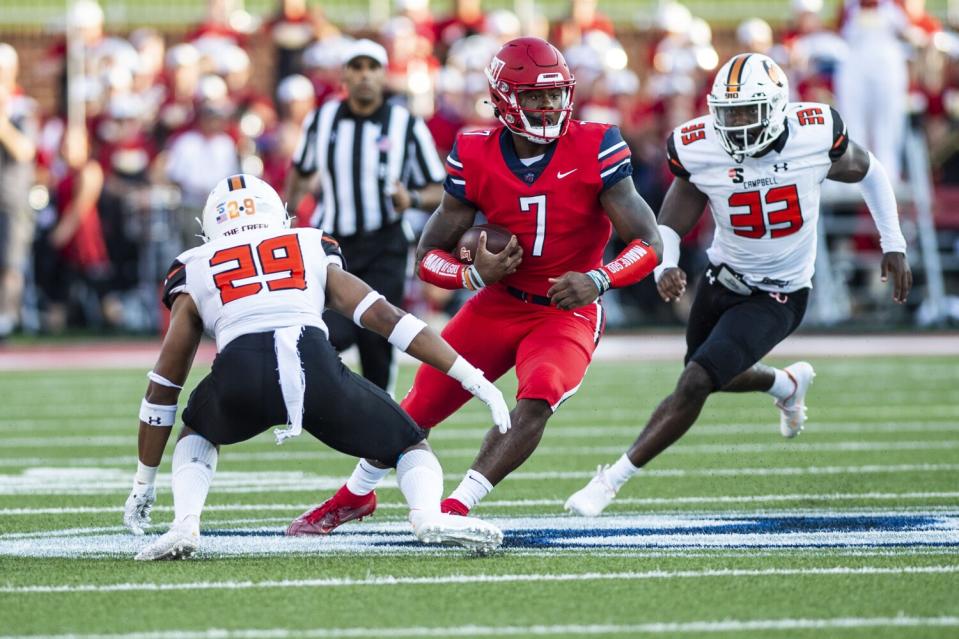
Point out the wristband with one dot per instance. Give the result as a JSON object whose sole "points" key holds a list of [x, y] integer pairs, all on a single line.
{"points": [[406, 331], [416, 200], [600, 279], [472, 279], [671, 241], [462, 371], [157, 414], [369, 300]]}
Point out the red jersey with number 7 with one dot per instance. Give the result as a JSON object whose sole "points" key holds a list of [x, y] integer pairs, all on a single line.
{"points": [[255, 281], [552, 204]]}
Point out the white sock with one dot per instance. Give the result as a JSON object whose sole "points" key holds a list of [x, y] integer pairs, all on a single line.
{"points": [[194, 462], [420, 478], [365, 477], [472, 489], [783, 386], [620, 472]]}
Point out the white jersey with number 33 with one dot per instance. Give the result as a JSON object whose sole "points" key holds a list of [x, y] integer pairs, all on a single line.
{"points": [[256, 281], [766, 208]]}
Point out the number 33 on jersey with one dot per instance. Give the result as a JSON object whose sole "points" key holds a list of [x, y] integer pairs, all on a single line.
{"points": [[766, 207]]}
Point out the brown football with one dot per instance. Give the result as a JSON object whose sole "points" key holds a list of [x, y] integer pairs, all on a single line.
{"points": [[497, 238]]}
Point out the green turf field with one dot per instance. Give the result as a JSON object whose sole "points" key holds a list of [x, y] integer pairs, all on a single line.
{"points": [[851, 530]]}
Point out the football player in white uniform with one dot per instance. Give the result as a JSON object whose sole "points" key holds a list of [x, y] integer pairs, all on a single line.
{"points": [[758, 161], [260, 288]]}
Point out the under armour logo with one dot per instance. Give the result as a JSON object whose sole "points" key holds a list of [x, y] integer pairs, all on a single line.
{"points": [[779, 297], [781, 167], [710, 276], [154, 420]]}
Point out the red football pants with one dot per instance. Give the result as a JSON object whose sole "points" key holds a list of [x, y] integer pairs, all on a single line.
{"points": [[550, 348]]}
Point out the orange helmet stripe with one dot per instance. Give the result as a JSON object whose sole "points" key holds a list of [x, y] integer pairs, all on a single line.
{"points": [[236, 182], [735, 78]]}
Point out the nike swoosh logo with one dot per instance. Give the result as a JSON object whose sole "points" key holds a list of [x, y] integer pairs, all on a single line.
{"points": [[560, 175], [580, 315]]}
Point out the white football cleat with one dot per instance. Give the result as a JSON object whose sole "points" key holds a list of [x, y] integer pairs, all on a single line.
{"points": [[179, 542], [136, 510], [792, 410], [592, 499], [468, 532]]}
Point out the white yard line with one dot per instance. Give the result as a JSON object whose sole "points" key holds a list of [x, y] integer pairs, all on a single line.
{"points": [[389, 580], [777, 446], [558, 429], [527, 503], [104, 481], [660, 628]]}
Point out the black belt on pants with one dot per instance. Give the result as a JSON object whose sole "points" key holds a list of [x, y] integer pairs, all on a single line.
{"points": [[529, 298]]}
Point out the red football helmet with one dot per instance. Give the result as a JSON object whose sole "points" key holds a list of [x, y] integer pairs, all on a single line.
{"points": [[530, 64]]}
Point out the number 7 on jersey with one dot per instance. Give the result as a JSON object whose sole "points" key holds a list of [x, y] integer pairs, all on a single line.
{"points": [[526, 204]]}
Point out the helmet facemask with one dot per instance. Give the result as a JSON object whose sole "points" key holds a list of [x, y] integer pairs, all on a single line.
{"points": [[543, 125], [745, 128]]}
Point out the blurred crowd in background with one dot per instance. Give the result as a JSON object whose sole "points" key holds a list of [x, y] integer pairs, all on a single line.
{"points": [[97, 208]]}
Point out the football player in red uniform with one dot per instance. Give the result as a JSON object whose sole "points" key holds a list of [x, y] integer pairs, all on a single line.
{"points": [[559, 186]]}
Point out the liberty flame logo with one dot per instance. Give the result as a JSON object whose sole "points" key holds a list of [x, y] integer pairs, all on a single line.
{"points": [[494, 69]]}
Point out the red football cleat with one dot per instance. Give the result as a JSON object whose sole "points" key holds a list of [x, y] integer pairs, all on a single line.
{"points": [[452, 506], [342, 507]]}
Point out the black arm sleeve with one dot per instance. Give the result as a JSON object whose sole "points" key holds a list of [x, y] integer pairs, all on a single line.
{"points": [[672, 158], [333, 251], [840, 139], [174, 283]]}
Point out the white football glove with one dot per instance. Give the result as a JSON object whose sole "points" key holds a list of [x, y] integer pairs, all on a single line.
{"points": [[136, 510], [483, 390]]}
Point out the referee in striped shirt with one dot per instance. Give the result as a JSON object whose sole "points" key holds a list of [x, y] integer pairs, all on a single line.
{"points": [[374, 160]]}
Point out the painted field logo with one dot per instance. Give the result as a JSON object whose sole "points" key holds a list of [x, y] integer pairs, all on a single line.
{"points": [[817, 529]]}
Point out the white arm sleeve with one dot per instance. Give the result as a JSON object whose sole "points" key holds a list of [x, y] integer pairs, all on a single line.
{"points": [[670, 259], [881, 200]]}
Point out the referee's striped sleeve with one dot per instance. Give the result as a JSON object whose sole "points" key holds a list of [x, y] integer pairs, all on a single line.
{"points": [[426, 157], [304, 158]]}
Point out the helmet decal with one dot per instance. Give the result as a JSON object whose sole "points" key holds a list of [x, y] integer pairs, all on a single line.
{"points": [[734, 79], [241, 203], [773, 72], [495, 68]]}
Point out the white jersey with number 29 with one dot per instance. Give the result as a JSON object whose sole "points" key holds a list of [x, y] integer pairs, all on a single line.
{"points": [[765, 208], [256, 281]]}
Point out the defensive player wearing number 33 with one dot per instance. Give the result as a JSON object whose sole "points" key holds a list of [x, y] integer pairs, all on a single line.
{"points": [[758, 161], [556, 184], [261, 289]]}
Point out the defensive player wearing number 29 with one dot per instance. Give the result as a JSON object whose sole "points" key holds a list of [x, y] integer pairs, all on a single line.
{"points": [[261, 288], [758, 161]]}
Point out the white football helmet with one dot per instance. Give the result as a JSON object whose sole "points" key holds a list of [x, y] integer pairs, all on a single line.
{"points": [[242, 203], [748, 103]]}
